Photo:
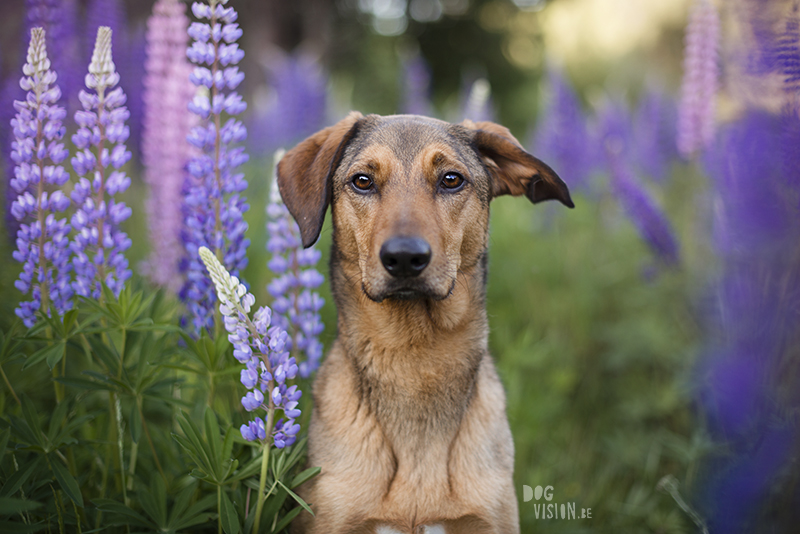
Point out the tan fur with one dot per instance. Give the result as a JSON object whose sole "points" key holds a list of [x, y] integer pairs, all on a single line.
{"points": [[409, 421]]}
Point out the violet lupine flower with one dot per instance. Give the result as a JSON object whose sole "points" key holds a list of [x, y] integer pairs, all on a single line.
{"points": [[262, 349], [58, 18], [696, 123], [562, 137], [416, 89], [99, 243], [214, 205], [296, 304], [296, 105], [746, 388], [167, 123], [642, 210], [42, 243], [654, 130]]}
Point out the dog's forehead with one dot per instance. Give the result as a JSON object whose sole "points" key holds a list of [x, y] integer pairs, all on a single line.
{"points": [[408, 135]]}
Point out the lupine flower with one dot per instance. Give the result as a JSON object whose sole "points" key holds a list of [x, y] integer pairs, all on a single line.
{"points": [[296, 304], [99, 243], [262, 349], [416, 79], [700, 73], [295, 107], [746, 382], [642, 210], [42, 243], [478, 104], [167, 122], [214, 206], [654, 133], [58, 18], [562, 137]]}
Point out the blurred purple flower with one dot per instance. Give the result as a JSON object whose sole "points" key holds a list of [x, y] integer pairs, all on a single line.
{"points": [[263, 351], [654, 131], [99, 243], [562, 136], [696, 121], [214, 206], [296, 303], [748, 387], [642, 209], [167, 123], [416, 88], [42, 239], [295, 107]]}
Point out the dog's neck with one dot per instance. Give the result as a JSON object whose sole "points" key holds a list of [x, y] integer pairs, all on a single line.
{"points": [[407, 351]]}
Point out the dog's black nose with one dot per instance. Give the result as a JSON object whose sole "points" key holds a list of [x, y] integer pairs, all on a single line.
{"points": [[405, 257]]}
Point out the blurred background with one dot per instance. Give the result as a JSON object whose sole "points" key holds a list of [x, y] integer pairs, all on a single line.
{"points": [[609, 322]]}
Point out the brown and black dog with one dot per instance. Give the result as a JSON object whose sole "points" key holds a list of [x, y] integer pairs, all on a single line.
{"points": [[409, 422]]}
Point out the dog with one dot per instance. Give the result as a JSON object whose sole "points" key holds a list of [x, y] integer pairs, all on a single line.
{"points": [[409, 423]]}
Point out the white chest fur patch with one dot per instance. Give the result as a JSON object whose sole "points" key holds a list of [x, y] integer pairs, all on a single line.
{"points": [[427, 529]]}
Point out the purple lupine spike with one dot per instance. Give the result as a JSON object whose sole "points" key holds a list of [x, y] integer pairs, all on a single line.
{"points": [[654, 131], [214, 203], [110, 13], [754, 317], [99, 244], [263, 350], [296, 303], [42, 239], [649, 219], [416, 89], [167, 122], [296, 106], [59, 20], [478, 103], [562, 137], [696, 122]]}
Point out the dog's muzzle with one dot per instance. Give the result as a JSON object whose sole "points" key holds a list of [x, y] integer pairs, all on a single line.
{"points": [[405, 257]]}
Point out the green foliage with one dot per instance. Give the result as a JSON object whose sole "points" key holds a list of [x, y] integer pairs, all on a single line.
{"points": [[95, 432]]}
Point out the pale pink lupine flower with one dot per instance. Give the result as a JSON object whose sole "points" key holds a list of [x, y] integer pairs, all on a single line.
{"points": [[696, 124], [167, 122]]}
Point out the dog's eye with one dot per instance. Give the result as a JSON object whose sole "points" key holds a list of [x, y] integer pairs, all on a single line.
{"points": [[452, 181], [362, 183]]}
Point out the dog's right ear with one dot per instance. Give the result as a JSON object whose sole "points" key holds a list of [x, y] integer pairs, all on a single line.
{"points": [[304, 174]]}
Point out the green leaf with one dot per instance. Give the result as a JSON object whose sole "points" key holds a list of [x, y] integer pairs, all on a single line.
{"points": [[15, 481], [114, 507], [308, 474], [4, 435], [214, 443], [9, 506], [228, 515], [250, 468], [82, 383], [56, 420], [66, 481], [51, 353], [283, 523], [32, 420], [196, 473], [191, 516], [198, 447], [296, 497], [154, 501]]}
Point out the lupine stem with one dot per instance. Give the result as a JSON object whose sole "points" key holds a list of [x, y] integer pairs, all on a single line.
{"points": [[8, 384], [262, 482]]}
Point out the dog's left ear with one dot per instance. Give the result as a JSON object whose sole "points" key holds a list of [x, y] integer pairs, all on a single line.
{"points": [[305, 171], [513, 170]]}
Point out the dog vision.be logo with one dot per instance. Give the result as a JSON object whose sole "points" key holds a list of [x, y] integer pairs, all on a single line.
{"points": [[552, 510]]}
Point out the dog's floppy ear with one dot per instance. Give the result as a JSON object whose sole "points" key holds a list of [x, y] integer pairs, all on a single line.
{"points": [[304, 175], [513, 170]]}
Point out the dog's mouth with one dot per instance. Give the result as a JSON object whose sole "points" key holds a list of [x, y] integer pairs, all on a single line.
{"points": [[407, 292]]}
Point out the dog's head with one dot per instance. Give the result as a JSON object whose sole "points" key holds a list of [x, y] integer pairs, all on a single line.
{"points": [[409, 195]]}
